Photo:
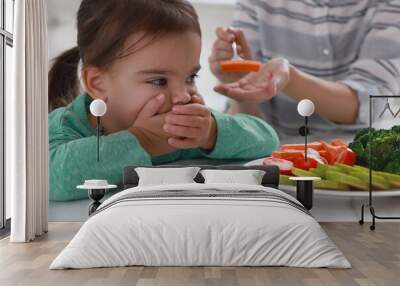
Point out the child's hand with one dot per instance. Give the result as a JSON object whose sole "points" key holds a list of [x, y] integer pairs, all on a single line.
{"points": [[191, 126], [148, 128]]}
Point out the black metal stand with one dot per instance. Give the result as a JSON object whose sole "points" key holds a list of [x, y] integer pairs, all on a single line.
{"points": [[98, 137], [306, 138], [305, 189], [370, 188], [305, 193], [95, 195]]}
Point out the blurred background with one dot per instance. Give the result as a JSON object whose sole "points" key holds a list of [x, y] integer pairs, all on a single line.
{"points": [[213, 13], [61, 16]]}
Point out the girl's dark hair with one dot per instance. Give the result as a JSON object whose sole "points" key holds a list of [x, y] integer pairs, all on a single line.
{"points": [[103, 29]]}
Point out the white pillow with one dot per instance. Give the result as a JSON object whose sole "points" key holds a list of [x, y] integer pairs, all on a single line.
{"points": [[166, 176], [244, 177]]}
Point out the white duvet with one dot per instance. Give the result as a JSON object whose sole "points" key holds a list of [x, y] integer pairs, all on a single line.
{"points": [[200, 231]]}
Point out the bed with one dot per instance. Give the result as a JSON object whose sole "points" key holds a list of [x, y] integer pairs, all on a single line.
{"points": [[201, 224]]}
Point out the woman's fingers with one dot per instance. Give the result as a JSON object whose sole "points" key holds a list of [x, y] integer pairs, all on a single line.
{"points": [[280, 72], [222, 48], [225, 34], [221, 51], [257, 93], [243, 48], [260, 86], [218, 56], [224, 87], [221, 45]]}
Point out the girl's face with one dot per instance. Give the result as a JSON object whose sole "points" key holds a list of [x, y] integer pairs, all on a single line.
{"points": [[168, 65]]}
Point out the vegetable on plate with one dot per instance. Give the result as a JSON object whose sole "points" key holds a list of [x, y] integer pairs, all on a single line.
{"points": [[384, 145], [240, 66]]}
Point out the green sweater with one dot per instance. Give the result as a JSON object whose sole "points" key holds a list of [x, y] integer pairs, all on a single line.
{"points": [[73, 144]]}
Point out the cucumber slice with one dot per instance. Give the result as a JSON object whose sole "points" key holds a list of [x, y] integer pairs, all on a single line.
{"points": [[331, 185], [345, 168], [326, 167], [366, 170], [284, 180], [361, 168], [393, 179], [302, 173], [347, 179], [378, 182], [319, 171], [336, 169]]}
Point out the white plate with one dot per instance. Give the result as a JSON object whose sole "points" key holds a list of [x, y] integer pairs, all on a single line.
{"points": [[323, 192], [333, 193], [255, 162]]}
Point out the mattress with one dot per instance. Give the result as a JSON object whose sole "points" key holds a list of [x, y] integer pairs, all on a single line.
{"points": [[201, 225]]}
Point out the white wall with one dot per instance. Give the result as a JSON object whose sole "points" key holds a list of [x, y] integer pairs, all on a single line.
{"points": [[211, 16], [212, 13], [61, 20]]}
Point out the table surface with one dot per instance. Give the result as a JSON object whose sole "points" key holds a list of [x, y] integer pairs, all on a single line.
{"points": [[328, 205]]}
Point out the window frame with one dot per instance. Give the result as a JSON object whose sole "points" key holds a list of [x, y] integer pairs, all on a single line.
{"points": [[6, 39]]}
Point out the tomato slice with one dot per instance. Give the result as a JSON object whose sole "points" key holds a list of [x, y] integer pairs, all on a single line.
{"points": [[285, 166], [348, 157], [304, 164], [240, 66], [313, 145]]}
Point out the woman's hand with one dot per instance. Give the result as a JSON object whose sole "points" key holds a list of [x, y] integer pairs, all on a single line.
{"points": [[223, 50], [260, 86], [148, 128], [191, 126]]}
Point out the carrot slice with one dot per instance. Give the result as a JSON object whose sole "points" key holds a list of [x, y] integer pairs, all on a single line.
{"points": [[313, 145], [338, 142], [323, 153], [240, 66], [290, 155], [333, 152]]}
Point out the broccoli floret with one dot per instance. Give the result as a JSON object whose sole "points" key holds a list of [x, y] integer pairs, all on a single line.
{"points": [[385, 146], [364, 139], [394, 165], [362, 132], [396, 129], [359, 150]]}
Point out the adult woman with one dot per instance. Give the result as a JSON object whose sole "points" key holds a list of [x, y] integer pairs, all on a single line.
{"points": [[335, 53]]}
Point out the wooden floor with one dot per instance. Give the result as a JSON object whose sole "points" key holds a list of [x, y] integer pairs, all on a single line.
{"points": [[375, 257]]}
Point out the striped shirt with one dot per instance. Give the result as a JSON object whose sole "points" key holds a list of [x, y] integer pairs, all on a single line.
{"points": [[356, 42]]}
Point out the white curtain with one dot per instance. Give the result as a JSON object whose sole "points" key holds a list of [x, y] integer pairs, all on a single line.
{"points": [[26, 124]]}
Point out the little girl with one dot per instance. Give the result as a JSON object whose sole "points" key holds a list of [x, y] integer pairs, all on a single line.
{"points": [[141, 57]]}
